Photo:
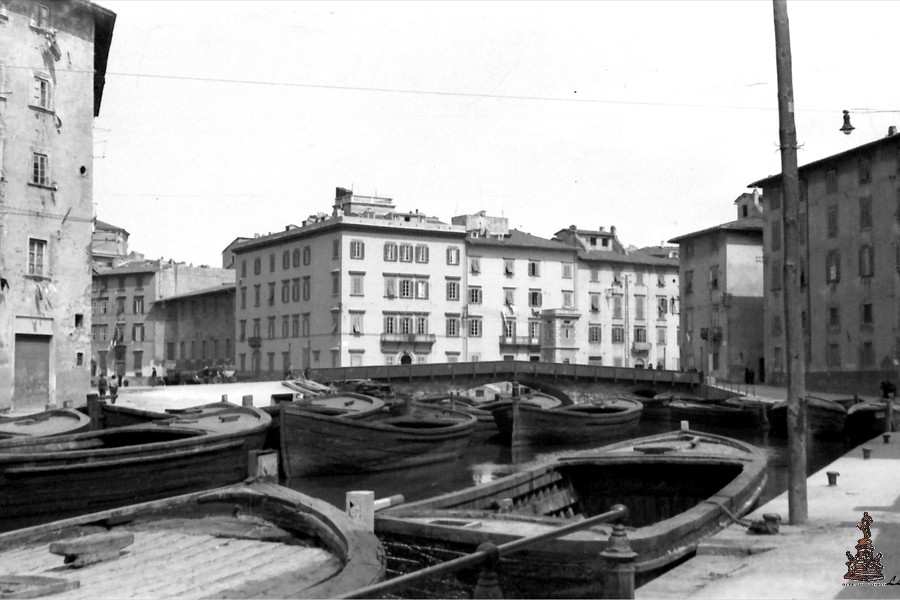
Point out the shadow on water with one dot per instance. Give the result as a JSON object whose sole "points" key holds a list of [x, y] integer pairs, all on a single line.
{"points": [[487, 459]]}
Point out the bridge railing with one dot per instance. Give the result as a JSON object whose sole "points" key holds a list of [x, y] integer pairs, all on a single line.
{"points": [[618, 558], [506, 369]]}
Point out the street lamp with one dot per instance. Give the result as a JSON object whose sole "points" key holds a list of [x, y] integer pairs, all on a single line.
{"points": [[847, 127]]}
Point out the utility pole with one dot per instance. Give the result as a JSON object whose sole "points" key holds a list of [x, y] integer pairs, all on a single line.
{"points": [[795, 350]]}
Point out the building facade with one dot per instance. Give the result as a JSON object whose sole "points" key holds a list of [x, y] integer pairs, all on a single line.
{"points": [[849, 264], [721, 294], [371, 285], [199, 329], [47, 106], [109, 245], [128, 333]]}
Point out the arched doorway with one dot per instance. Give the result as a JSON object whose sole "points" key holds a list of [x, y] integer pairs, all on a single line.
{"points": [[406, 359]]}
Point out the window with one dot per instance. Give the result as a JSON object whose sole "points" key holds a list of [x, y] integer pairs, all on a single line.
{"points": [[618, 335], [257, 265], [390, 287], [390, 251], [243, 298], [640, 335], [271, 262], [421, 253], [866, 315], [286, 260], [256, 328], [296, 257], [137, 305], [639, 275], [509, 267], [272, 292], [640, 302], [285, 326], [776, 235], [390, 324], [242, 330], [406, 288], [36, 251], [474, 327], [98, 332], [864, 174], [832, 221], [40, 169], [474, 295], [41, 93], [834, 318], [688, 249], [295, 289], [714, 277], [866, 261], [421, 289], [335, 249], [475, 265], [306, 288], [831, 180], [509, 297], [453, 290], [865, 212], [660, 336], [688, 282], [595, 275], [335, 284], [406, 325], [307, 255], [285, 291], [270, 327], [567, 299], [509, 328], [618, 304], [833, 266], [295, 326], [452, 255], [421, 325], [594, 333], [120, 305], [452, 326], [662, 307], [777, 275], [356, 323], [137, 332], [406, 252], [305, 327], [357, 249], [244, 268], [595, 303], [534, 329], [40, 16], [867, 354], [356, 284], [534, 268], [535, 298]]}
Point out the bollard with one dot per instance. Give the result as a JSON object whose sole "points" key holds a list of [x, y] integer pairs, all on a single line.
{"points": [[247, 400], [685, 426], [832, 477], [264, 465], [889, 414], [488, 585], [867, 453], [361, 508], [224, 397], [886, 437], [618, 572]]}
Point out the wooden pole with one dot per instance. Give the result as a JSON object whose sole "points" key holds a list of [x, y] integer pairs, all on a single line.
{"points": [[793, 298]]}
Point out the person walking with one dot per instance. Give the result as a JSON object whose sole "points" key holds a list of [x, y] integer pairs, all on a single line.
{"points": [[113, 387], [102, 386]]}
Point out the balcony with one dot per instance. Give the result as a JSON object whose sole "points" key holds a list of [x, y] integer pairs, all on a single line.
{"points": [[716, 334], [407, 338], [641, 347], [520, 341], [254, 342]]}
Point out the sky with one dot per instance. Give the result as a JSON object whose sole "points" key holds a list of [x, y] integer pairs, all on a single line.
{"points": [[230, 118]]}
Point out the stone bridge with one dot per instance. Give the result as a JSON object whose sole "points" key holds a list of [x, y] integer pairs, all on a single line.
{"points": [[581, 383]]}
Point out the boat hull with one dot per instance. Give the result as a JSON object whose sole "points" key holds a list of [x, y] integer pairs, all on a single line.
{"points": [[824, 418], [867, 419], [243, 541], [314, 443], [63, 476], [720, 415], [674, 502], [579, 424]]}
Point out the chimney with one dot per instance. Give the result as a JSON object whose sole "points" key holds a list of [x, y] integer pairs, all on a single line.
{"points": [[892, 130], [612, 230]]}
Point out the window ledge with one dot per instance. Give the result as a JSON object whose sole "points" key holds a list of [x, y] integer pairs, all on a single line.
{"points": [[43, 109], [52, 188], [37, 277]]}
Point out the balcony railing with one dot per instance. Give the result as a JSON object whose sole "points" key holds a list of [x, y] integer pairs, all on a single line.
{"points": [[408, 338], [519, 340], [254, 342], [716, 333], [641, 346]]}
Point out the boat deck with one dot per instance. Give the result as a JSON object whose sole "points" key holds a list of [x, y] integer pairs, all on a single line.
{"points": [[179, 561]]}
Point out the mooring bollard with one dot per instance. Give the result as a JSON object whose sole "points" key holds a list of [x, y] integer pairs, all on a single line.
{"points": [[361, 508], [867, 453], [224, 397], [247, 400], [832, 477], [886, 437], [685, 426], [618, 572], [488, 585]]}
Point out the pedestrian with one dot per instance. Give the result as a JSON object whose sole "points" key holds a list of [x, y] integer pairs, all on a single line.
{"points": [[888, 389], [153, 377], [113, 387], [747, 375], [752, 377], [102, 386]]}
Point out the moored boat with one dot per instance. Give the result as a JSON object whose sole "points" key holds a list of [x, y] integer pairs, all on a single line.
{"points": [[243, 541], [679, 488], [599, 421], [55, 421], [867, 419], [725, 414], [502, 410], [824, 418], [60, 476], [316, 443]]}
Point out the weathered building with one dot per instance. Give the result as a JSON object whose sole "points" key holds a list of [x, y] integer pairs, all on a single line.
{"points": [[849, 264], [199, 329], [52, 65], [721, 272], [109, 245]]}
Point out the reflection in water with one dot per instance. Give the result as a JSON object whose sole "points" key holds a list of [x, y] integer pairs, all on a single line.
{"points": [[487, 459]]}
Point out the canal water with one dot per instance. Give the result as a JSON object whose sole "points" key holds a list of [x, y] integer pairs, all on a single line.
{"points": [[487, 459]]}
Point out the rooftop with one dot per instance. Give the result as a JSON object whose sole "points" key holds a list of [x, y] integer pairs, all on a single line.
{"points": [[748, 224]]}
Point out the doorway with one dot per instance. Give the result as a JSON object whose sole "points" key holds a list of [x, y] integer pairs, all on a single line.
{"points": [[32, 372], [406, 359]]}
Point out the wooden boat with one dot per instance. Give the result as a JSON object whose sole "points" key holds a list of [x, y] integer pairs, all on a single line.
{"points": [[484, 420], [243, 541], [726, 414], [56, 421], [316, 443], [502, 410], [824, 418], [679, 487], [599, 421], [62, 476], [867, 419]]}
